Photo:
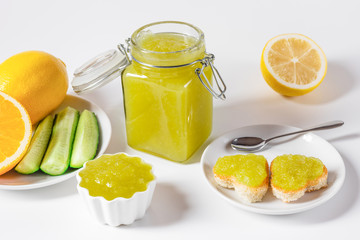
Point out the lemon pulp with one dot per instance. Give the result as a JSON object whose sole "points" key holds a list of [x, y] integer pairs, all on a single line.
{"points": [[113, 176], [295, 61], [168, 111], [293, 64], [250, 169], [292, 172]]}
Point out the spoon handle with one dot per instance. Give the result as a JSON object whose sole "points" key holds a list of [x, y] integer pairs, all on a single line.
{"points": [[324, 126]]}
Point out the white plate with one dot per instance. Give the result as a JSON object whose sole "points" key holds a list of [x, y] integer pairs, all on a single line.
{"points": [[308, 144], [15, 181]]}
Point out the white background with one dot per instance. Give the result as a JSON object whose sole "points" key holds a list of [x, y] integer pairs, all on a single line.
{"points": [[184, 207]]}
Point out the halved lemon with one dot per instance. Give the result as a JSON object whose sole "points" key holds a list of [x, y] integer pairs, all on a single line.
{"points": [[15, 132], [293, 64]]}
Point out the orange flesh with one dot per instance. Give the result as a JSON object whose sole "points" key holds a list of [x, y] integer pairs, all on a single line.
{"points": [[11, 129]]}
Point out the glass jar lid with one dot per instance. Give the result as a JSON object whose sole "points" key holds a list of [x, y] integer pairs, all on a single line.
{"points": [[99, 70]]}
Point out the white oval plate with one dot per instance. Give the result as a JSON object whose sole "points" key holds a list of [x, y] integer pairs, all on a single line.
{"points": [[308, 144], [16, 181]]}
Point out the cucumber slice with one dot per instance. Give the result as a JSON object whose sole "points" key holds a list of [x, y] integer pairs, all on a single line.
{"points": [[86, 140], [57, 156], [39, 142]]}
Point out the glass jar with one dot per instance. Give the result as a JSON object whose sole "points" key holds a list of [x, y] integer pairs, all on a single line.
{"points": [[167, 88]]}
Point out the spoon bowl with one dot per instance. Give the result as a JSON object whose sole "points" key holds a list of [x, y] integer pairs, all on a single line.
{"points": [[251, 143]]}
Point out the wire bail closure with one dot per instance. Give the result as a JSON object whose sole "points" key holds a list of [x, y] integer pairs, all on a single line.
{"points": [[125, 50], [207, 61]]}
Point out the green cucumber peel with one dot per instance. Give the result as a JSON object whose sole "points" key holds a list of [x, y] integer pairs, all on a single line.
{"points": [[38, 145], [86, 139], [57, 157]]}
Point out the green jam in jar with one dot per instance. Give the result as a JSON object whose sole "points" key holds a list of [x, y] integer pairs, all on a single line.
{"points": [[168, 111], [113, 176]]}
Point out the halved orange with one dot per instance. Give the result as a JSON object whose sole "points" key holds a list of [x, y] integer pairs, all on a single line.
{"points": [[293, 64], [15, 132]]}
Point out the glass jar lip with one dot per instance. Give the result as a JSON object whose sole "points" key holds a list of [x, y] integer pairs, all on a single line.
{"points": [[195, 45]]}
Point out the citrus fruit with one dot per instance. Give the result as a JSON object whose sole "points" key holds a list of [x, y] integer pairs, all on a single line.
{"points": [[293, 64], [37, 80], [15, 132]]}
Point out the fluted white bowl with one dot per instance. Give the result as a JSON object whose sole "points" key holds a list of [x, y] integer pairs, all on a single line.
{"points": [[119, 211]]}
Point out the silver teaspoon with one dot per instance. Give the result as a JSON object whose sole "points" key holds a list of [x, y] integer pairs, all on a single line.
{"points": [[251, 144]]}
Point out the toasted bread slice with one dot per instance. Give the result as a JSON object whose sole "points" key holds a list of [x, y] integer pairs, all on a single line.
{"points": [[293, 175], [247, 174]]}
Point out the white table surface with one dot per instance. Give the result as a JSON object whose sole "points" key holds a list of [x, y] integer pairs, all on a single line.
{"points": [[184, 207]]}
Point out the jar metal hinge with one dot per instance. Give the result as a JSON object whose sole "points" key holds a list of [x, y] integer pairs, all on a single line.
{"points": [[125, 50], [208, 61]]}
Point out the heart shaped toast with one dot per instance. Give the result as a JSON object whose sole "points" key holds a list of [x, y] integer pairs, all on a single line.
{"points": [[247, 174], [293, 175]]}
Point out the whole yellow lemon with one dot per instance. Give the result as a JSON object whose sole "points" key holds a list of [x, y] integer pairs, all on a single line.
{"points": [[37, 80]]}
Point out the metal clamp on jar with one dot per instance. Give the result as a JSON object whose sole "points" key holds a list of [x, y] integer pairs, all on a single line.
{"points": [[168, 110]]}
